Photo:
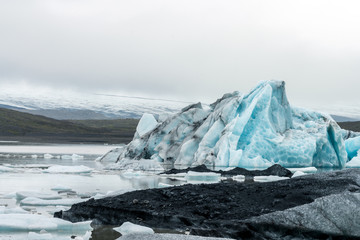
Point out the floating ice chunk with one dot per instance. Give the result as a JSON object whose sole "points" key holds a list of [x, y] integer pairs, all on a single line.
{"points": [[61, 188], [4, 210], [34, 222], [298, 174], [269, 178], [33, 201], [142, 164], [68, 169], [10, 195], [352, 146], [39, 236], [112, 155], [45, 196], [6, 169], [164, 185], [239, 178], [48, 156], [77, 157], [305, 170], [129, 228], [146, 124], [200, 177]]}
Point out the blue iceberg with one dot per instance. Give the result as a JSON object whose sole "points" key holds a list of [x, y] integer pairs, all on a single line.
{"points": [[255, 130]]}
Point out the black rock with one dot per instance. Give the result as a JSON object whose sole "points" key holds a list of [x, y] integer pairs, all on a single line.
{"points": [[221, 208], [275, 170]]}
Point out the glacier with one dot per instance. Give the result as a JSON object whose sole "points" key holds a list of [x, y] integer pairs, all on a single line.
{"points": [[254, 130]]}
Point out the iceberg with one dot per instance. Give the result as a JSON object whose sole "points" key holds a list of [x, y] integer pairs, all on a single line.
{"points": [[255, 130]]}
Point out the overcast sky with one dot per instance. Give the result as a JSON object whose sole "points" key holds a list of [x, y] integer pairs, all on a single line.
{"points": [[184, 49]]}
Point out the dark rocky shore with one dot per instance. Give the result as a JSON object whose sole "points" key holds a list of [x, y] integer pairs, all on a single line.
{"points": [[275, 170], [273, 210]]}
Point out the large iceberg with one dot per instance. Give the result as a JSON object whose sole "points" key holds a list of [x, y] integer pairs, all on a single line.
{"points": [[258, 129]]}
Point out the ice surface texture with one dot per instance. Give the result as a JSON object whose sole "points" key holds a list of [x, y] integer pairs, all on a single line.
{"points": [[258, 129], [352, 145]]}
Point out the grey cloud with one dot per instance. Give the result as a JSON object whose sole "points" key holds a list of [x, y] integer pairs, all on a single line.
{"points": [[193, 49]]}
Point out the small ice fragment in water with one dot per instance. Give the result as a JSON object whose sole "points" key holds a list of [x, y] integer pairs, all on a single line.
{"points": [[298, 174], [45, 196], [269, 178], [48, 156], [239, 178], [130, 228], [198, 177]]}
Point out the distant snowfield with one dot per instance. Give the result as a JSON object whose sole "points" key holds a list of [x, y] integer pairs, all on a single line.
{"points": [[91, 105]]}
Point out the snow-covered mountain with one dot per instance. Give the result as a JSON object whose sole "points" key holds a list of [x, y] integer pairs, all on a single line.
{"points": [[70, 105]]}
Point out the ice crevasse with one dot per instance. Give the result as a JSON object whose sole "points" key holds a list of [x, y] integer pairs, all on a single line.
{"points": [[257, 129]]}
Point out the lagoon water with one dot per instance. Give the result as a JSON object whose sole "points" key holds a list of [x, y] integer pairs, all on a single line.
{"points": [[24, 169]]}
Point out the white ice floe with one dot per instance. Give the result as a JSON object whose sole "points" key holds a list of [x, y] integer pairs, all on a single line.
{"points": [[34, 156], [239, 178], [33, 201], [200, 177], [68, 169], [164, 185], [34, 222], [61, 188], [129, 228], [45, 196], [305, 169], [17, 210], [298, 174], [7, 169], [269, 178], [48, 156]]}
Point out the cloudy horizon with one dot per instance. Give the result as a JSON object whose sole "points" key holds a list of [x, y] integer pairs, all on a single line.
{"points": [[187, 50]]}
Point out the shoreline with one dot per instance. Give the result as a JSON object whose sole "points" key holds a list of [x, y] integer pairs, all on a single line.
{"points": [[225, 209]]}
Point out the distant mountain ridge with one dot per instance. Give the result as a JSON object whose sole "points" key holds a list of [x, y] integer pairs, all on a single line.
{"points": [[19, 126]]}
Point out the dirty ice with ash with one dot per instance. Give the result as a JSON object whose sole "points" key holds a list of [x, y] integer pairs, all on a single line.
{"points": [[255, 130]]}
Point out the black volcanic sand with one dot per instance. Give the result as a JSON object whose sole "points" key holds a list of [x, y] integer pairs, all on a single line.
{"points": [[217, 210], [275, 170]]}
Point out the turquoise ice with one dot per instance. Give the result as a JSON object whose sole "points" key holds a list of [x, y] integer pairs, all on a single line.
{"points": [[258, 129]]}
